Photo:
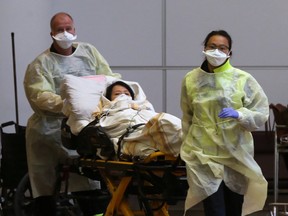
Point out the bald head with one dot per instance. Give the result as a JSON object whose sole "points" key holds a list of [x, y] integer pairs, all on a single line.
{"points": [[60, 16], [61, 22]]}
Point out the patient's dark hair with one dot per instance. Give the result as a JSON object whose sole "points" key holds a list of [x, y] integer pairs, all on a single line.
{"points": [[109, 89]]}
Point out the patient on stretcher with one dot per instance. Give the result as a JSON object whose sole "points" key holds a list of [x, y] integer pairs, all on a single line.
{"points": [[119, 110], [123, 107]]}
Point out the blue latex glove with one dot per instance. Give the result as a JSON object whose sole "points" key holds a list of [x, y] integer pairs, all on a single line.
{"points": [[228, 113]]}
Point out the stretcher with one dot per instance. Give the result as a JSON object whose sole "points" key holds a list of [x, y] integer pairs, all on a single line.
{"points": [[157, 182]]}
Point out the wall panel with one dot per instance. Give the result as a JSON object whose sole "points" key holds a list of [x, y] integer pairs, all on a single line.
{"points": [[137, 39]]}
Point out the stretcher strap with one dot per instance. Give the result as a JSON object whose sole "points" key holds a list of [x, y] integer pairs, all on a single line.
{"points": [[129, 130]]}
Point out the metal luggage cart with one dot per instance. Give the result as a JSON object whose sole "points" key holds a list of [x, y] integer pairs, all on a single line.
{"points": [[280, 113], [278, 209]]}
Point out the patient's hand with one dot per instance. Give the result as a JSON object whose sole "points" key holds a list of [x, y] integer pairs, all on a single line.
{"points": [[135, 106], [96, 114], [98, 111]]}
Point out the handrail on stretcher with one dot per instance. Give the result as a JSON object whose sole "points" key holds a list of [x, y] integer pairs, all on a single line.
{"points": [[98, 163]]}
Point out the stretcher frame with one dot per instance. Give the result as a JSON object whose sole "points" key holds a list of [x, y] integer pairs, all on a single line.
{"points": [[120, 176]]}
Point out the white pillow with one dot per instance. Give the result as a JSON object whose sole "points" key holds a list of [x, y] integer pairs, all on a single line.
{"points": [[81, 96]]}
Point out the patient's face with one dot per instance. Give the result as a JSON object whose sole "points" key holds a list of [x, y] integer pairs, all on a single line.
{"points": [[118, 90]]}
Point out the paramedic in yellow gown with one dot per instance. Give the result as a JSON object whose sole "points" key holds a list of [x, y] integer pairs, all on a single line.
{"points": [[42, 85], [221, 105]]}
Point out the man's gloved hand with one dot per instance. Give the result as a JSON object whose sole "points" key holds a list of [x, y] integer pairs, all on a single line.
{"points": [[228, 113]]}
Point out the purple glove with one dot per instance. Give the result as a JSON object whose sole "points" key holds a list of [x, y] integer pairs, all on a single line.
{"points": [[228, 113]]}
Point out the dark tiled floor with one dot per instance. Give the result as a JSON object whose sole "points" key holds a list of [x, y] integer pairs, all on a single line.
{"points": [[198, 210], [178, 209]]}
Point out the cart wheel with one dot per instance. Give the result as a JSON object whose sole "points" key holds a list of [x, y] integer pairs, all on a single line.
{"points": [[1, 208], [6, 199], [23, 200]]}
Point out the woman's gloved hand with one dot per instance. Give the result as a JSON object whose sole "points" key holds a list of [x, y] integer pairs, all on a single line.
{"points": [[228, 113]]}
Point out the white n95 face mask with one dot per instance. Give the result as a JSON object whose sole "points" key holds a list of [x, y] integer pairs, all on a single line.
{"points": [[215, 57], [123, 97], [65, 39]]}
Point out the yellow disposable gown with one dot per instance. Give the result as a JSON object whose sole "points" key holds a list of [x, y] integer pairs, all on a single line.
{"points": [[42, 87], [216, 149]]}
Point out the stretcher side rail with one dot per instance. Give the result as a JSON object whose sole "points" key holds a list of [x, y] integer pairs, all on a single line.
{"points": [[156, 160]]}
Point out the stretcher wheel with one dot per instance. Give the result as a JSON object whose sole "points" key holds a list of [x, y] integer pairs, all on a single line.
{"points": [[24, 203]]}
